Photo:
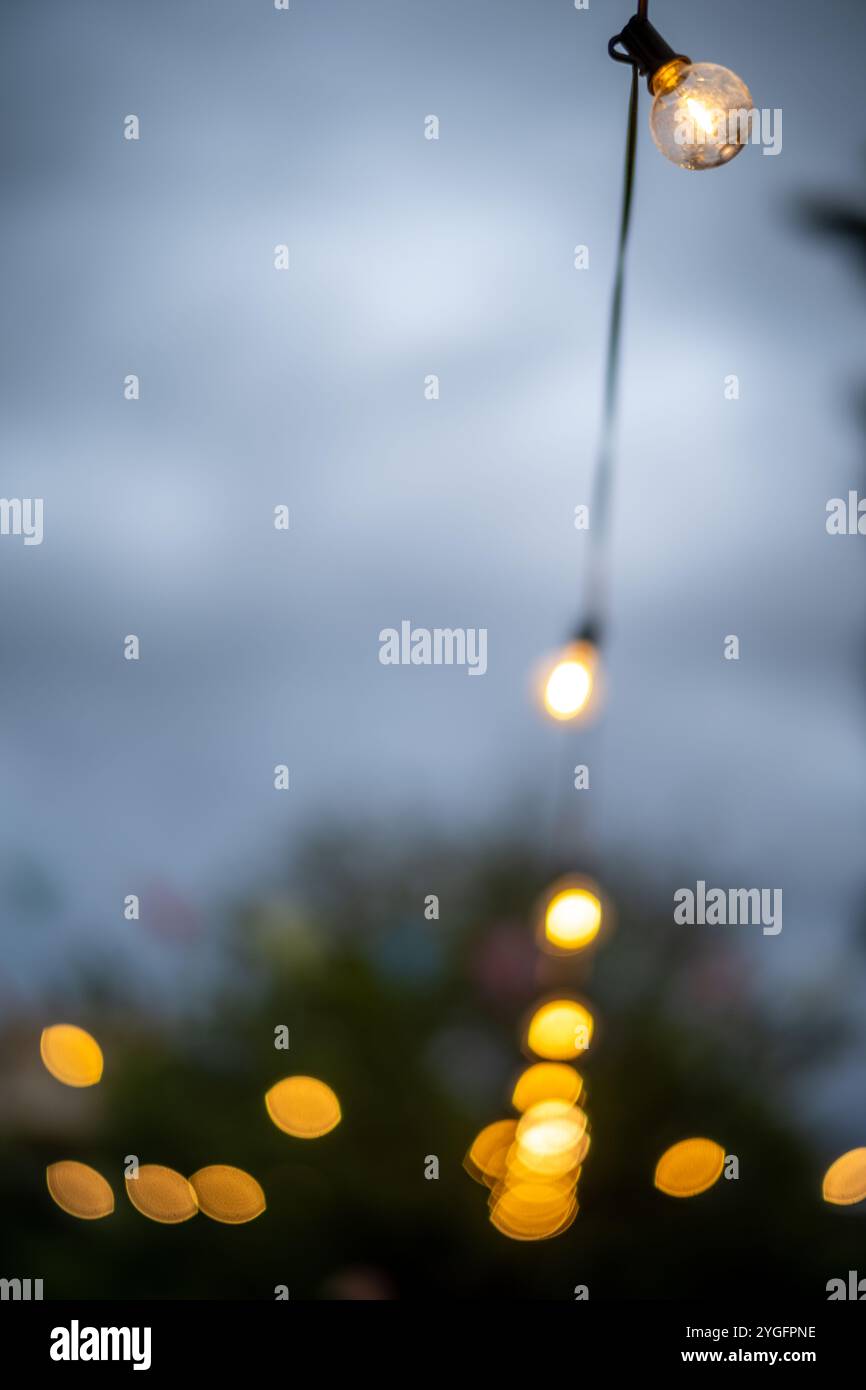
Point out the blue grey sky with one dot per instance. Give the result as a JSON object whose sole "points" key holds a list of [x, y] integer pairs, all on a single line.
{"points": [[411, 257]]}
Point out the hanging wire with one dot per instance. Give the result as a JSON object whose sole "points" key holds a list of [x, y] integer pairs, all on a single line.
{"points": [[596, 586], [599, 508]]}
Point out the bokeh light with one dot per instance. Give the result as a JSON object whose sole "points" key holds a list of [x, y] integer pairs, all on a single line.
{"points": [[79, 1190], [562, 1168], [536, 1198], [572, 916], [71, 1055], [162, 1195], [303, 1106], [228, 1194], [549, 1137], [689, 1167], [560, 1030], [845, 1180], [569, 682], [533, 1211], [546, 1081], [486, 1159]]}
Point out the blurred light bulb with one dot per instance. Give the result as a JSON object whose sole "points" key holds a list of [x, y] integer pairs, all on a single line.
{"points": [[567, 689], [702, 114], [572, 919], [689, 1167], [546, 1081], [569, 683], [533, 1210], [549, 1137], [559, 1030]]}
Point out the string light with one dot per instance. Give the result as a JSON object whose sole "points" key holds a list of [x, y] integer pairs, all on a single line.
{"points": [[572, 916], [701, 113], [546, 1081], [560, 1030], [700, 119], [549, 1137], [569, 682]]}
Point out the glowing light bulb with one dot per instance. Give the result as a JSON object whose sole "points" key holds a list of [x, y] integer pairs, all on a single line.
{"points": [[546, 1081], [567, 689], [532, 1210], [559, 1030], [569, 683], [572, 919], [549, 1137], [702, 114]]}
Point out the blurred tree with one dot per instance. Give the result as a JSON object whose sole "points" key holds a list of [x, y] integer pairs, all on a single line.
{"points": [[416, 1024]]}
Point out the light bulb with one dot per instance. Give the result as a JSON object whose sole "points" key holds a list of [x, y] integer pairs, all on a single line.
{"points": [[549, 1137], [572, 919], [569, 682], [701, 115], [570, 914], [559, 1030]]}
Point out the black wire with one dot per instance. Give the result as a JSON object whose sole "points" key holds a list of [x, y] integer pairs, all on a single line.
{"points": [[562, 834], [598, 516]]}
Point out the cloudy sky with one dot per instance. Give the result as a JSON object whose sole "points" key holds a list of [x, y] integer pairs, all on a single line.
{"points": [[410, 257]]}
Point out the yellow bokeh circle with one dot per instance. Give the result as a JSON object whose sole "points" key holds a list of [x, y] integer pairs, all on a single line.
{"points": [[689, 1167], [79, 1190], [71, 1055], [560, 1030], [303, 1106]]}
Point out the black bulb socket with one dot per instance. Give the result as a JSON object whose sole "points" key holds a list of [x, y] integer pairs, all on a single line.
{"points": [[589, 631], [645, 48]]}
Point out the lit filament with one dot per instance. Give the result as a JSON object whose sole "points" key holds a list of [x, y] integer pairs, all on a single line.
{"points": [[701, 116]]}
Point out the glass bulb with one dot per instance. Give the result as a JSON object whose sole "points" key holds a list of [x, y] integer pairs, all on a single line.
{"points": [[702, 114]]}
